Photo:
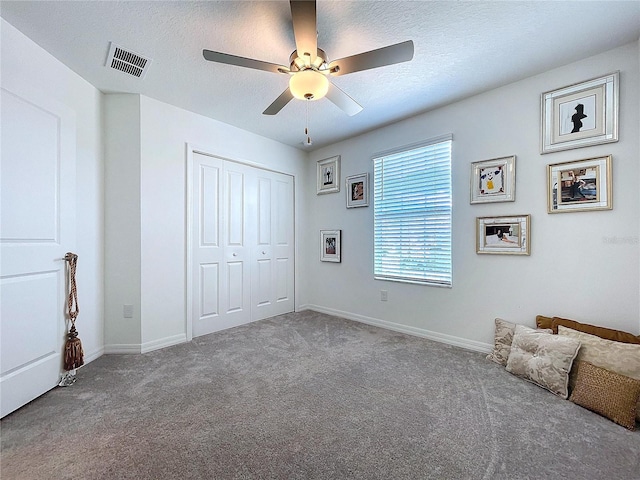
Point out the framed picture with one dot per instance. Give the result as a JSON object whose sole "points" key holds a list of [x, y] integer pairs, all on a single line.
{"points": [[329, 175], [503, 235], [579, 185], [580, 115], [358, 190], [330, 245], [493, 180]]}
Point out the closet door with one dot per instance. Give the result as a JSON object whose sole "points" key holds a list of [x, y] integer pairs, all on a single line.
{"points": [[238, 189], [220, 280], [241, 244], [272, 265]]}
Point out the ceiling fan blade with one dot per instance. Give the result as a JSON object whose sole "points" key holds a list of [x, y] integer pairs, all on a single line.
{"points": [[243, 62], [303, 14], [398, 53], [279, 103], [343, 101]]}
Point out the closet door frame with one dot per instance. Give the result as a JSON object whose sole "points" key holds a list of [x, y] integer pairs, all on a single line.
{"points": [[189, 282]]}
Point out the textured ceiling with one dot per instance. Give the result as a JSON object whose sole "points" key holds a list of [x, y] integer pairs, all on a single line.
{"points": [[461, 49]]}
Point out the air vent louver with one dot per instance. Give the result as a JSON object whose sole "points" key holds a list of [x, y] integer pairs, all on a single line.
{"points": [[127, 61]]}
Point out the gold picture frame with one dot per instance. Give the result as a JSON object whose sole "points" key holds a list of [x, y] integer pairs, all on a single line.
{"points": [[580, 185], [505, 235]]}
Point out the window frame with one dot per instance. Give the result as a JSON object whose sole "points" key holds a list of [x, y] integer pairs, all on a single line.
{"points": [[442, 274]]}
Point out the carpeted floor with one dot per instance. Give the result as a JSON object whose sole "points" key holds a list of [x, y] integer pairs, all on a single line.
{"points": [[309, 396]]}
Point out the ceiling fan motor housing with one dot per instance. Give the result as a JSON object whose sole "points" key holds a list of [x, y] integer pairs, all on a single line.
{"points": [[308, 84], [302, 62]]}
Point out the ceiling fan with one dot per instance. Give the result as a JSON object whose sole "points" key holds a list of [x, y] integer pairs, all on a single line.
{"points": [[308, 66]]}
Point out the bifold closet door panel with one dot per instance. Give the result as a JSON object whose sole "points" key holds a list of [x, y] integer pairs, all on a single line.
{"points": [[242, 244], [273, 253]]}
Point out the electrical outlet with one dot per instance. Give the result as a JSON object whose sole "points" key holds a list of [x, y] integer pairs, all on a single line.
{"points": [[383, 295], [127, 311]]}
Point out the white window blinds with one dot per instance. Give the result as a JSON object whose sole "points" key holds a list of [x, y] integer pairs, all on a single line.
{"points": [[412, 214]]}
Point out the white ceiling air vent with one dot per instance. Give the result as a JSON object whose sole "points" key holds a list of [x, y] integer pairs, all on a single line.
{"points": [[127, 61]]}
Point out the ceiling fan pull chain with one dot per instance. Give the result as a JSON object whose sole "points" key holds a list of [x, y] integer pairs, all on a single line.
{"points": [[306, 128]]}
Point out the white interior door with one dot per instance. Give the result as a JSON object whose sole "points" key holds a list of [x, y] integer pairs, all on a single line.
{"points": [[219, 272], [273, 247], [37, 228], [241, 244], [236, 280]]}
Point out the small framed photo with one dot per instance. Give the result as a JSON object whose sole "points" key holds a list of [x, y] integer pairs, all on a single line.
{"points": [[493, 180], [329, 175], [358, 190], [579, 185], [503, 235], [580, 115], [330, 245]]}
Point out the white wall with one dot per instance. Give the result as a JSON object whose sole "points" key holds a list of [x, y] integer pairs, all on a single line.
{"points": [[583, 265], [29, 64], [165, 132], [498, 123], [122, 222]]}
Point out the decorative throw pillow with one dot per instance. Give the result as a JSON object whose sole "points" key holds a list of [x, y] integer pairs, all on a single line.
{"points": [[543, 359], [605, 392], [618, 357], [602, 332], [502, 341], [544, 322]]}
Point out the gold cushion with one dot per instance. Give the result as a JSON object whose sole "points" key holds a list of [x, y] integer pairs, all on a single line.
{"points": [[602, 332], [607, 393], [544, 322], [618, 357]]}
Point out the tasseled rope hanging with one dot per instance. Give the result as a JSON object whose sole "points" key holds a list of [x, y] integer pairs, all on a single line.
{"points": [[73, 354]]}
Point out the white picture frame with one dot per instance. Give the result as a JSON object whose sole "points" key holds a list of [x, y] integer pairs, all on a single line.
{"points": [[357, 190], [580, 115], [328, 175], [493, 180], [330, 246]]}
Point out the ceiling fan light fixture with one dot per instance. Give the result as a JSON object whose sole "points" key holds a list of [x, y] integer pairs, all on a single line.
{"points": [[308, 85]]}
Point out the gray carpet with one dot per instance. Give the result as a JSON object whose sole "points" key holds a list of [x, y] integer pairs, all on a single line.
{"points": [[309, 396]]}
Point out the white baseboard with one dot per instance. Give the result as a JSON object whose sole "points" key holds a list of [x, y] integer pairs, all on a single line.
{"points": [[90, 357], [137, 348], [163, 342], [122, 348], [397, 327]]}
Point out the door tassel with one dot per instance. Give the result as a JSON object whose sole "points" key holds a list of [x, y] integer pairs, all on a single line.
{"points": [[73, 354]]}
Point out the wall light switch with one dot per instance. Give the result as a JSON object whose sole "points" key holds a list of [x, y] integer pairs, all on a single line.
{"points": [[383, 295], [127, 311]]}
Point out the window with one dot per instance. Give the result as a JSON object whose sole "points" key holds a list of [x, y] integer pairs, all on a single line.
{"points": [[412, 214]]}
